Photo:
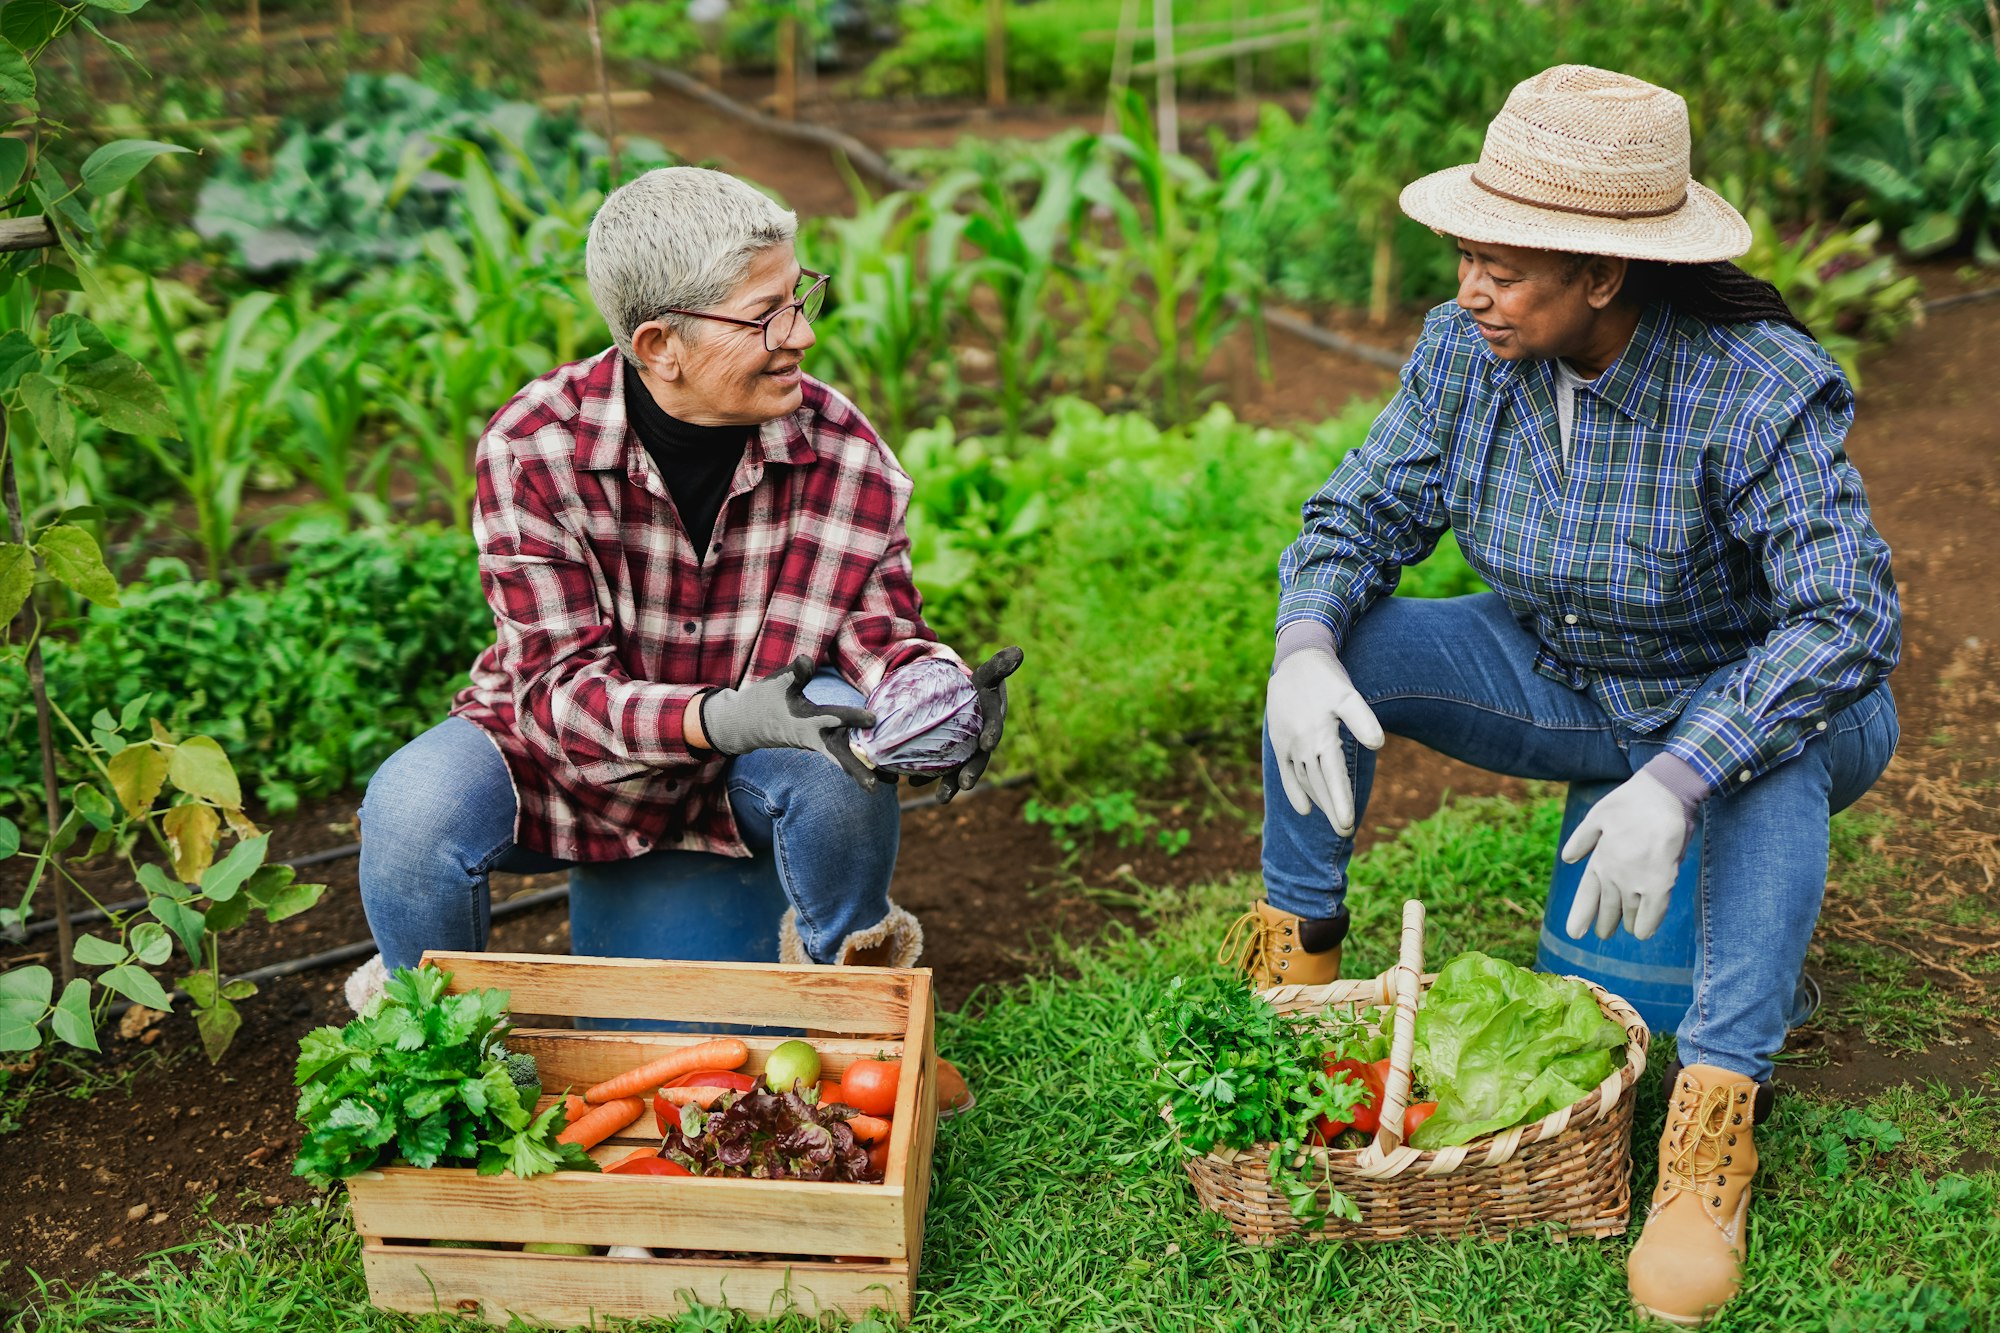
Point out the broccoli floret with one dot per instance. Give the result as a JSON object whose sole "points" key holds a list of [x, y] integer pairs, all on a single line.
{"points": [[521, 1069]]}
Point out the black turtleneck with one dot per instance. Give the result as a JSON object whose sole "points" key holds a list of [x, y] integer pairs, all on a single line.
{"points": [[696, 462]]}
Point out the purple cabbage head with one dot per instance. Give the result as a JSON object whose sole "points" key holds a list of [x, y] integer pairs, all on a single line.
{"points": [[927, 719]]}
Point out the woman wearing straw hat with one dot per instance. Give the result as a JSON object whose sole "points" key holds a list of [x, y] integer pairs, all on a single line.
{"points": [[1639, 449]]}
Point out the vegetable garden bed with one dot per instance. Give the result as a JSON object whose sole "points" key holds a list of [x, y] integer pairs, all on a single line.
{"points": [[756, 1245]]}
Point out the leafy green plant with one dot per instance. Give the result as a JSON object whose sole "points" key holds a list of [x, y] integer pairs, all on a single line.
{"points": [[1852, 1133], [423, 1077], [1076, 824], [181, 795], [364, 186], [1850, 296]]}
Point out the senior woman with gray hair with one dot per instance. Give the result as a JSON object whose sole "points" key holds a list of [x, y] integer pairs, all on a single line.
{"points": [[696, 560]]}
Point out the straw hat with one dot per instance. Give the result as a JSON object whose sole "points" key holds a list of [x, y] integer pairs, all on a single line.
{"points": [[1586, 161]]}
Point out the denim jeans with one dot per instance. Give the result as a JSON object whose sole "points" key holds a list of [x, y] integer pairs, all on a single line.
{"points": [[1456, 674], [438, 818]]}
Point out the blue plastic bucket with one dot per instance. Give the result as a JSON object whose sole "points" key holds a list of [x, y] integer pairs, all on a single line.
{"points": [[676, 904], [1655, 976]]}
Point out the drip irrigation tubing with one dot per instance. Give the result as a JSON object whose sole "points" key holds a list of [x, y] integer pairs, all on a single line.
{"points": [[525, 902]]}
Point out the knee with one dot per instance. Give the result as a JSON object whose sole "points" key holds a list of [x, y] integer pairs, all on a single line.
{"points": [[816, 793]]}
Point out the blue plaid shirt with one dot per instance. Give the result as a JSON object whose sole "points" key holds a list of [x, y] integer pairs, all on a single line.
{"points": [[1707, 519]]}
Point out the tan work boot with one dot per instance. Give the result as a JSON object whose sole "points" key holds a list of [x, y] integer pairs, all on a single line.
{"points": [[1264, 943], [1689, 1260]]}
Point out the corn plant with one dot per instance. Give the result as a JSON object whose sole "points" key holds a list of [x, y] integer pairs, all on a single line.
{"points": [[330, 400], [226, 406], [1195, 290], [897, 285], [1021, 270]]}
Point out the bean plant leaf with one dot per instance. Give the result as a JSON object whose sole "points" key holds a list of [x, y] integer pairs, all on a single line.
{"points": [[240, 989], [94, 804], [226, 876], [201, 769], [18, 353], [41, 396], [17, 576], [108, 741], [137, 774], [191, 832], [92, 951], [13, 163], [47, 277], [181, 919], [10, 837], [129, 715], [28, 24], [115, 164], [72, 556], [151, 943], [138, 985], [157, 881], [218, 1025], [292, 900], [24, 998], [120, 393], [17, 77], [71, 1019], [117, 6], [200, 987], [228, 916]]}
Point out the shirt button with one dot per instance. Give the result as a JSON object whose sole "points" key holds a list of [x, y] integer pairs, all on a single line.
{"points": [[689, 626], [1569, 620], [1744, 776], [1819, 726]]}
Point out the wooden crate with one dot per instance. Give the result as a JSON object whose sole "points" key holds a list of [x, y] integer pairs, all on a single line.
{"points": [[767, 1245]]}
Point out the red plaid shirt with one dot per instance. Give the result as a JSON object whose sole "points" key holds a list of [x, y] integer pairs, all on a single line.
{"points": [[607, 623]]}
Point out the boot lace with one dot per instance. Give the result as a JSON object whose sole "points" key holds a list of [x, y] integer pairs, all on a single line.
{"points": [[1247, 946], [1693, 1161]]}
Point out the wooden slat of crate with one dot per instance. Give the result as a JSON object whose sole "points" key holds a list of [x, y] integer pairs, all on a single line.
{"points": [[779, 1217], [562, 1290], [576, 1060], [853, 1001]]}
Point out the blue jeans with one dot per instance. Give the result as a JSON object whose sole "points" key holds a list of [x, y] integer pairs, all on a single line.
{"points": [[1456, 674], [438, 818]]}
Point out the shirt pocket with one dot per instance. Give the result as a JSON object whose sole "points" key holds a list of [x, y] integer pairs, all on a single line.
{"points": [[1661, 575]]}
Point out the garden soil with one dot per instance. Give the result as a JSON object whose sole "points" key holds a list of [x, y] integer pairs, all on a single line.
{"points": [[124, 1155]]}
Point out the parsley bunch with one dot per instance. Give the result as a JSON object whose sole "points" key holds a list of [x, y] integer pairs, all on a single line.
{"points": [[1234, 1072], [424, 1077]]}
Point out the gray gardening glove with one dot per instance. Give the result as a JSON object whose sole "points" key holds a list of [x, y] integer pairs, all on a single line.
{"points": [[1309, 698], [774, 713], [1638, 834], [990, 679]]}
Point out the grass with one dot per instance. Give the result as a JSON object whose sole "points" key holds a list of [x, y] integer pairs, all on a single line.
{"points": [[1057, 1207]]}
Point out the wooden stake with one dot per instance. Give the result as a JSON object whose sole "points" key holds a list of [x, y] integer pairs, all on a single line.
{"points": [[996, 53], [39, 687], [603, 85], [788, 68], [1163, 52], [808, 68], [1121, 62]]}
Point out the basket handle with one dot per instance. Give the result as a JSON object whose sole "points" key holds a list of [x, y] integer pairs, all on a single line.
{"points": [[1408, 979]]}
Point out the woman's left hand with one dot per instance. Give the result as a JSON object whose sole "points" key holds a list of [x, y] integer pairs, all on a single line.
{"points": [[1634, 838]]}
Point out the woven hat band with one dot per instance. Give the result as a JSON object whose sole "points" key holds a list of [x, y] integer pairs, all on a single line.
{"points": [[1619, 213]]}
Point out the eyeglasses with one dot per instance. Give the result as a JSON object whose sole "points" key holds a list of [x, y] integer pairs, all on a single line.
{"points": [[778, 326]]}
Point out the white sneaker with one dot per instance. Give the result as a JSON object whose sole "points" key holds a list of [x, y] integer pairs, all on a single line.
{"points": [[366, 985]]}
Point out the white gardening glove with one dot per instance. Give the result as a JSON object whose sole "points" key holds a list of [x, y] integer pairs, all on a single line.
{"points": [[1639, 832], [1309, 697]]}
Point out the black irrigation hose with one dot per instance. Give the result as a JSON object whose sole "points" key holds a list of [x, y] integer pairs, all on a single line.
{"points": [[526, 902]]}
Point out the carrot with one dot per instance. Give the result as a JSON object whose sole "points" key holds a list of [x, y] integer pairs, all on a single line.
{"points": [[868, 1128], [722, 1053], [636, 1155], [702, 1097], [601, 1122], [574, 1108]]}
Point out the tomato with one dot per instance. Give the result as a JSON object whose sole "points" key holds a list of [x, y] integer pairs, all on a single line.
{"points": [[878, 1159], [869, 1086], [1415, 1116], [666, 1112], [716, 1078], [831, 1094], [649, 1166], [1366, 1115]]}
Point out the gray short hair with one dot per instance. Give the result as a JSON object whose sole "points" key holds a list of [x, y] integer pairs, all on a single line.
{"points": [[676, 236]]}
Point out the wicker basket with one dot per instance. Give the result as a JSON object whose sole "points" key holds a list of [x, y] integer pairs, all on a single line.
{"points": [[1569, 1172]]}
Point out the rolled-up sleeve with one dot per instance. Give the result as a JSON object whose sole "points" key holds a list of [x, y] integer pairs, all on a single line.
{"points": [[1382, 509], [574, 705], [1797, 501]]}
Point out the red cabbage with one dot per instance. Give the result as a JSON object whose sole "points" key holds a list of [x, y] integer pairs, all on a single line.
{"points": [[927, 719]]}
